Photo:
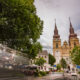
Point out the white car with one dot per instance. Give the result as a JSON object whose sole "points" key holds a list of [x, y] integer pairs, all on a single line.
{"points": [[73, 74]]}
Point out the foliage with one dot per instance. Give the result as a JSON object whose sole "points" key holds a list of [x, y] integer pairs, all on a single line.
{"points": [[63, 63], [40, 61], [43, 73], [52, 59], [58, 67], [75, 55], [20, 27], [33, 50], [40, 73], [79, 72]]}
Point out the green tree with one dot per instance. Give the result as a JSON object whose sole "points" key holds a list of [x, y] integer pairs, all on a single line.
{"points": [[58, 67], [34, 50], [75, 55], [52, 59], [20, 27], [63, 63], [40, 61]]}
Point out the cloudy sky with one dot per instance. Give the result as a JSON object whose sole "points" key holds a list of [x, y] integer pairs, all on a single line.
{"points": [[61, 10]]}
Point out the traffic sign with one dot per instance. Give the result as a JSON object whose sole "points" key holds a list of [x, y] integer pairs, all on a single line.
{"points": [[78, 66], [54, 65]]}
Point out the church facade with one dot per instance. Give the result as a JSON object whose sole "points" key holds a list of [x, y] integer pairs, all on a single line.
{"points": [[63, 51]]}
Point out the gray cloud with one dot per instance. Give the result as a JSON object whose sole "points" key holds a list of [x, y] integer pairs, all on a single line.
{"points": [[48, 10]]}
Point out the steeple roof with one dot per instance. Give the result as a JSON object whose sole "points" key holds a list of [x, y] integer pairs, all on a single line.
{"points": [[71, 28], [56, 35], [55, 30], [72, 33]]}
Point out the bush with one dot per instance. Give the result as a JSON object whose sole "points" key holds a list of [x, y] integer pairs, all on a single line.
{"points": [[40, 73], [58, 67], [79, 72], [47, 72], [43, 73]]}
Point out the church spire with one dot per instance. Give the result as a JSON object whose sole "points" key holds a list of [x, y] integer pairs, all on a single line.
{"points": [[72, 33], [55, 30], [71, 27], [56, 35]]}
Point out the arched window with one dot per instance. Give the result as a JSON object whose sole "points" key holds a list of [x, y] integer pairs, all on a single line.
{"points": [[74, 44], [56, 45], [65, 45]]}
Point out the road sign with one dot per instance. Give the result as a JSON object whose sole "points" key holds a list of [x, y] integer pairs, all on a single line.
{"points": [[78, 66], [54, 65]]}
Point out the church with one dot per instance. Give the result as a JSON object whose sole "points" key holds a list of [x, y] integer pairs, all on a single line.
{"points": [[63, 51]]}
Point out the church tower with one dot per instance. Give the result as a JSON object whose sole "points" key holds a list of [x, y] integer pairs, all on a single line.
{"points": [[56, 41], [73, 40], [63, 51]]}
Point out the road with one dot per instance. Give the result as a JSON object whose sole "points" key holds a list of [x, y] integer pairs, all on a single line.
{"points": [[54, 76], [11, 75]]}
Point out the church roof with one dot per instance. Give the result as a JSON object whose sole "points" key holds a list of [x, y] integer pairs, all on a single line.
{"points": [[44, 52], [56, 35], [65, 42], [71, 30]]}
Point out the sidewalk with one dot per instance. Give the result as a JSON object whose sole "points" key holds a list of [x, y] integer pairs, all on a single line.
{"points": [[72, 77], [79, 76]]}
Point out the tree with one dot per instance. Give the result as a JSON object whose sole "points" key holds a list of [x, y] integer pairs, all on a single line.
{"points": [[20, 27], [52, 59], [63, 63], [40, 61], [58, 67], [34, 50], [75, 55]]}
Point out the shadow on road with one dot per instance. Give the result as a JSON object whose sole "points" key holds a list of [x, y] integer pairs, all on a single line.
{"points": [[65, 78]]}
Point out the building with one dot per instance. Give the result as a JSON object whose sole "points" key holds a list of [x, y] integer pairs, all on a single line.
{"points": [[63, 50], [46, 66]]}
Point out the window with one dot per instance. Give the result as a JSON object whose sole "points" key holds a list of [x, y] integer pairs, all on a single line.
{"points": [[74, 44], [56, 45], [65, 46], [45, 67], [41, 67]]}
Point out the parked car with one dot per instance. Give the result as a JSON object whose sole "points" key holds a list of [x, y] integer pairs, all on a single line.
{"points": [[73, 74]]}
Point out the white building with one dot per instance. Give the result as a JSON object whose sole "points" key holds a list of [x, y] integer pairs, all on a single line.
{"points": [[46, 66]]}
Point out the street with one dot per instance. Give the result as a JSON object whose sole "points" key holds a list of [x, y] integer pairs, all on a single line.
{"points": [[8, 75], [55, 76]]}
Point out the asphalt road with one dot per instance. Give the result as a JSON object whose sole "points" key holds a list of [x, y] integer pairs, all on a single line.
{"points": [[9, 75]]}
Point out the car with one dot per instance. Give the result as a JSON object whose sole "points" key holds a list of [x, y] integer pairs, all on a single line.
{"points": [[73, 74]]}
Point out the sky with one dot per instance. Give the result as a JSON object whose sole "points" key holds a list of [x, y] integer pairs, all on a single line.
{"points": [[61, 10]]}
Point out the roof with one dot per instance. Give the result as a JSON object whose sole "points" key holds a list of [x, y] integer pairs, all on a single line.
{"points": [[65, 42], [44, 52]]}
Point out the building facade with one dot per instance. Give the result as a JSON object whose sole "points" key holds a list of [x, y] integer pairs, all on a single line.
{"points": [[63, 51], [45, 56]]}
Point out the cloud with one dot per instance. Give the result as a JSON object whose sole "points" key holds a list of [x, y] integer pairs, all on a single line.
{"points": [[48, 10], [78, 34]]}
